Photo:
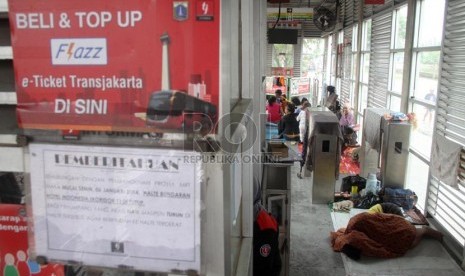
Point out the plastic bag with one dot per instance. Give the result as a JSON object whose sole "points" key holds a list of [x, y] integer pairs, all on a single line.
{"points": [[367, 201]]}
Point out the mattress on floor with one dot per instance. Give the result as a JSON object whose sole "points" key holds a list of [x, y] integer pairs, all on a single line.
{"points": [[427, 258]]}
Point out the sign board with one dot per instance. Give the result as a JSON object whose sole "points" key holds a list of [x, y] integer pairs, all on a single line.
{"points": [[300, 86], [14, 245], [116, 207], [129, 66], [282, 71], [274, 83], [290, 14]]}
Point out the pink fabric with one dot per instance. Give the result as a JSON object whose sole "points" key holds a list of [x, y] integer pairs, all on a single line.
{"points": [[347, 119], [274, 114]]}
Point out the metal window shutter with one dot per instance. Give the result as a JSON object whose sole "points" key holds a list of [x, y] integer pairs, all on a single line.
{"points": [[367, 11], [348, 13], [387, 4], [357, 4], [444, 203], [310, 30], [269, 58], [347, 56], [297, 55], [379, 60]]}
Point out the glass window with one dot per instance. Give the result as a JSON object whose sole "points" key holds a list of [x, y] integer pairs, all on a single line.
{"points": [[353, 63], [415, 181], [394, 103], [283, 55], [426, 68], [397, 72], [365, 68], [312, 57], [360, 132], [399, 28], [363, 98], [422, 132], [328, 60], [400, 22], [352, 95], [354, 38], [423, 92], [430, 21], [366, 35]]}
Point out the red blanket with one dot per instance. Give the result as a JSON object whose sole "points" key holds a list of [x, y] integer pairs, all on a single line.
{"points": [[348, 165], [376, 235]]}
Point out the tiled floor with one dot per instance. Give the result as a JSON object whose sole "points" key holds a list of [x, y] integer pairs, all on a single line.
{"points": [[311, 253]]}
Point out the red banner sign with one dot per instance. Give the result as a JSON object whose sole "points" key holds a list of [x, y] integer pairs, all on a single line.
{"points": [[374, 2], [129, 66], [14, 245]]}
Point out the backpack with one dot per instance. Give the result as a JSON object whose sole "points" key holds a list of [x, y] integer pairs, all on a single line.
{"points": [[353, 180], [404, 198]]}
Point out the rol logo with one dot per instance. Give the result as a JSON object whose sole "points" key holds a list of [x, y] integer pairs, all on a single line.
{"points": [[79, 51], [265, 250]]}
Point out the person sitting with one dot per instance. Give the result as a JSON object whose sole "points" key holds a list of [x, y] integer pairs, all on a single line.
{"points": [[288, 127], [273, 110], [302, 119], [284, 103], [348, 126], [379, 234]]}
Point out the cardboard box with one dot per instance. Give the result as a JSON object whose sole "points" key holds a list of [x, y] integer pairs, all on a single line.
{"points": [[278, 150]]}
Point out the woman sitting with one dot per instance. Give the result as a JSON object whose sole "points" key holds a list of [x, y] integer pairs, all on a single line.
{"points": [[288, 127], [379, 234], [348, 126]]}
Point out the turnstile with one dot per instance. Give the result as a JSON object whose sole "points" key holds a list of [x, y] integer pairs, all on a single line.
{"points": [[385, 146], [323, 153]]}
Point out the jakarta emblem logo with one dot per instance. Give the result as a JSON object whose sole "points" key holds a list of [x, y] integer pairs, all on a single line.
{"points": [[180, 10], [265, 250]]}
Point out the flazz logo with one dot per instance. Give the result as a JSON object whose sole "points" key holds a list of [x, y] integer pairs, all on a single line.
{"points": [[180, 10], [79, 51], [204, 10]]}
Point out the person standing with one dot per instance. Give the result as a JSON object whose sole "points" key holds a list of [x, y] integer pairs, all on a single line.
{"points": [[431, 98], [302, 119], [273, 110], [332, 101]]}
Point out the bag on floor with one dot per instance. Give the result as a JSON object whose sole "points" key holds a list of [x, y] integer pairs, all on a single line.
{"points": [[353, 180], [367, 201], [405, 198]]}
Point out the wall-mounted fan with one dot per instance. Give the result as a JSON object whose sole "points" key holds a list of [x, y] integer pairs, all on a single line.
{"points": [[324, 18]]}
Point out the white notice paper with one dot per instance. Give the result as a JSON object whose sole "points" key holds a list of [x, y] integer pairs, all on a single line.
{"points": [[116, 207]]}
